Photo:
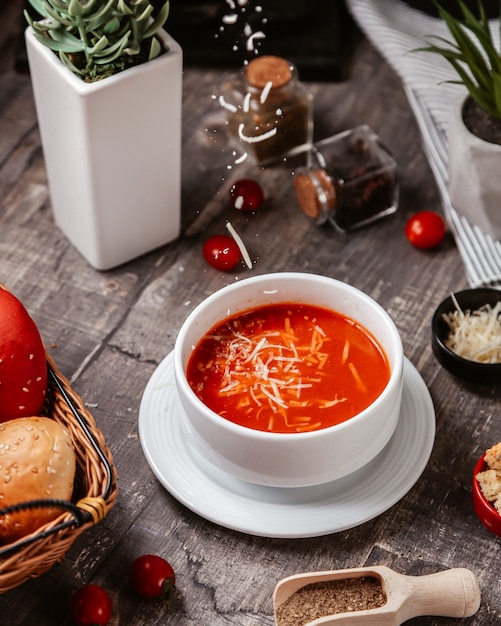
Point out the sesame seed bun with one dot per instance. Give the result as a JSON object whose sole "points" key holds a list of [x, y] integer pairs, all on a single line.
{"points": [[37, 461]]}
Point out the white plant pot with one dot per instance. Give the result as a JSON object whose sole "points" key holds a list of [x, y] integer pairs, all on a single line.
{"points": [[112, 152], [474, 175]]}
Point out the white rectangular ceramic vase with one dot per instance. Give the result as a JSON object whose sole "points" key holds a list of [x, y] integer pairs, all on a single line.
{"points": [[112, 152]]}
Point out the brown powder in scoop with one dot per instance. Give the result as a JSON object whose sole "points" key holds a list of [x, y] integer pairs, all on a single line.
{"points": [[329, 598]]}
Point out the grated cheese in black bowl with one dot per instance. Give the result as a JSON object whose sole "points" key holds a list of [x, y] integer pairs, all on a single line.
{"points": [[466, 334]]}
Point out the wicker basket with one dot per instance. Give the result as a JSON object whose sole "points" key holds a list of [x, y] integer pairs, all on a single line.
{"points": [[94, 492]]}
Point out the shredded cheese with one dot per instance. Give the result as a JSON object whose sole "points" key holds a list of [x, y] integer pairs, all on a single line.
{"points": [[475, 335], [256, 138], [267, 370], [278, 367], [227, 105], [265, 92], [240, 244], [241, 158], [230, 18], [246, 104]]}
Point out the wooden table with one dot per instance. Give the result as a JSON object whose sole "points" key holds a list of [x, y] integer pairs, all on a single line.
{"points": [[108, 332]]}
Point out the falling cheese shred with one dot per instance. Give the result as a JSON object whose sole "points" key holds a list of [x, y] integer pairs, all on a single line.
{"points": [[240, 244], [475, 335]]}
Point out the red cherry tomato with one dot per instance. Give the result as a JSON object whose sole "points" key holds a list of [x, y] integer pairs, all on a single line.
{"points": [[153, 577], [425, 229], [222, 252], [247, 195], [90, 606]]}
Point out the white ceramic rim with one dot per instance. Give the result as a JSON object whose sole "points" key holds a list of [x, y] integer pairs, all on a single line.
{"points": [[180, 374]]}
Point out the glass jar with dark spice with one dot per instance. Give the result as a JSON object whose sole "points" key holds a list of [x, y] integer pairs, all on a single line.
{"points": [[269, 109], [350, 180]]}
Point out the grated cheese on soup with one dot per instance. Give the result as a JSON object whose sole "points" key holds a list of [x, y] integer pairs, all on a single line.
{"points": [[288, 367]]}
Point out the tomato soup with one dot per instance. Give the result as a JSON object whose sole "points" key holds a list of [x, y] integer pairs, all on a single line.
{"points": [[288, 368]]}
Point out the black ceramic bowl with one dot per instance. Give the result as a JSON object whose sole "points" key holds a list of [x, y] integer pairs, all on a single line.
{"points": [[469, 299]]}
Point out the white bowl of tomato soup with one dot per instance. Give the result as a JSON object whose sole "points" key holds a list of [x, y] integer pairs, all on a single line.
{"points": [[289, 379]]}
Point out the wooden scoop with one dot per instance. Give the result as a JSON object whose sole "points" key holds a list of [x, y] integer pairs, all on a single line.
{"points": [[451, 593]]}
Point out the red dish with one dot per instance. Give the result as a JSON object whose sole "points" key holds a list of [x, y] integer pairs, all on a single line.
{"points": [[485, 511], [288, 368]]}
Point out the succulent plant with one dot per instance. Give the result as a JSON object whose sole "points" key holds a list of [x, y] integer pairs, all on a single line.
{"points": [[473, 55], [98, 38]]}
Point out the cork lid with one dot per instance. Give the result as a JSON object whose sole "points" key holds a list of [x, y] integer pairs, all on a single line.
{"points": [[315, 192], [269, 69]]}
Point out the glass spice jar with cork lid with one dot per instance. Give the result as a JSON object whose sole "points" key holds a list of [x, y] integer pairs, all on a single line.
{"points": [[350, 180], [269, 109]]}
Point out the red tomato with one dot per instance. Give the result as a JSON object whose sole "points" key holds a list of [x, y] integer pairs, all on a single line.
{"points": [[425, 229], [90, 606], [222, 252], [153, 577], [247, 195]]}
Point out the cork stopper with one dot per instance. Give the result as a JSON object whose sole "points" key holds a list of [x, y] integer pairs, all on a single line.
{"points": [[269, 69], [315, 192]]}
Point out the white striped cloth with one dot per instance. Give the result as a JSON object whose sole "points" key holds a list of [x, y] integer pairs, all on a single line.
{"points": [[395, 29]]}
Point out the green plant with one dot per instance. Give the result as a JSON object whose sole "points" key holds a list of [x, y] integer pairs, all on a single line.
{"points": [[473, 55], [98, 38]]}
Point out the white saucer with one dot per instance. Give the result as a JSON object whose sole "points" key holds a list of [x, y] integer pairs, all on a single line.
{"points": [[284, 512]]}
